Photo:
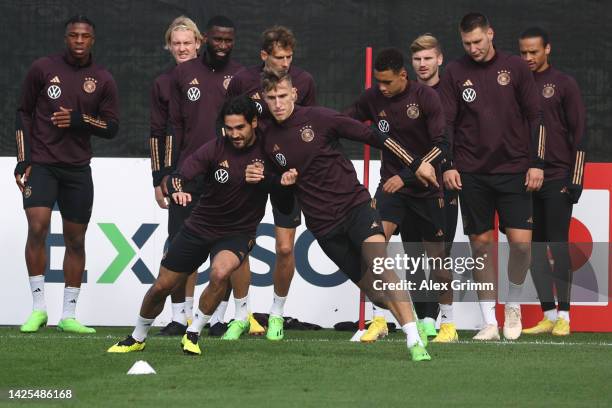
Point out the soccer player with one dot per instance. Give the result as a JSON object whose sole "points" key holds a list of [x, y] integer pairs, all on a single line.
{"points": [[337, 208], [412, 114], [278, 45], [427, 58], [565, 121], [183, 40], [66, 98], [197, 92], [494, 121], [223, 223]]}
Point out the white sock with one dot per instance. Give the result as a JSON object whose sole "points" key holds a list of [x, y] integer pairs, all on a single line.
{"points": [[219, 315], [487, 308], [551, 315], [377, 311], [241, 312], [71, 295], [278, 305], [199, 321], [189, 307], [142, 328], [178, 313], [514, 295], [563, 314], [37, 284], [429, 320], [412, 334], [446, 313]]}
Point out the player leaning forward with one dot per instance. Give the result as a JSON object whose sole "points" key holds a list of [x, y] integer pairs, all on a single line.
{"points": [[337, 208], [66, 98], [222, 225]]}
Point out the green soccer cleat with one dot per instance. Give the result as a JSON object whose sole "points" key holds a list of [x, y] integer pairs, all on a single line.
{"points": [[275, 328], [429, 328], [127, 346], [37, 319], [236, 329], [419, 353], [73, 326], [422, 333], [190, 343]]}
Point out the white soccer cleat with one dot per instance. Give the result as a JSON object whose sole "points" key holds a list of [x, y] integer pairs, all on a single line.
{"points": [[488, 332], [512, 322]]}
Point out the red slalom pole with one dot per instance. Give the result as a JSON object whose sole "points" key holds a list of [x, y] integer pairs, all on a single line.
{"points": [[366, 172]]}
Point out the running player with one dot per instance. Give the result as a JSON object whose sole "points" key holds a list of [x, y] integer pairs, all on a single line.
{"points": [[66, 98], [565, 121], [337, 208], [494, 119], [223, 223]]}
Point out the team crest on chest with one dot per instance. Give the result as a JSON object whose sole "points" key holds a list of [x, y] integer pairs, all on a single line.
{"points": [[54, 92], [226, 80], [222, 176], [307, 133], [89, 85], [548, 91], [503, 77], [383, 126], [412, 110]]}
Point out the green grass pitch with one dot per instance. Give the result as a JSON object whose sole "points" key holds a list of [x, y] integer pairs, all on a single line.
{"points": [[317, 369]]}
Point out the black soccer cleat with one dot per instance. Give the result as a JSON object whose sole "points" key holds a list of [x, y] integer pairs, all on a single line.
{"points": [[217, 330], [173, 329]]}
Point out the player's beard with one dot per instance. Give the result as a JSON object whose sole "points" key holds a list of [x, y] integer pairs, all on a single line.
{"points": [[433, 74], [214, 60]]}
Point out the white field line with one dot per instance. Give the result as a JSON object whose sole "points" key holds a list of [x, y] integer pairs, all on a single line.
{"points": [[154, 339]]}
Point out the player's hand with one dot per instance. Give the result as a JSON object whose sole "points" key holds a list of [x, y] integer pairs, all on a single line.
{"points": [[534, 179], [254, 173], [289, 177], [181, 198], [426, 174], [162, 200], [452, 179], [61, 118], [21, 179], [393, 184]]}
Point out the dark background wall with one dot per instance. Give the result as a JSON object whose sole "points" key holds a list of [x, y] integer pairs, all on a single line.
{"points": [[331, 39]]}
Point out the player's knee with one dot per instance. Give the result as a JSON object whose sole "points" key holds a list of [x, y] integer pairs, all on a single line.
{"points": [[521, 249], [219, 274], [284, 249], [75, 243], [37, 231], [161, 288]]}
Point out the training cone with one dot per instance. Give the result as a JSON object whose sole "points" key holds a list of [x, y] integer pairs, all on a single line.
{"points": [[141, 367]]}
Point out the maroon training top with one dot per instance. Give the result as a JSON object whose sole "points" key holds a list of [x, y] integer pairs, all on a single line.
{"points": [[493, 115], [229, 205], [327, 187], [415, 119], [565, 122], [197, 94], [248, 81], [57, 81]]}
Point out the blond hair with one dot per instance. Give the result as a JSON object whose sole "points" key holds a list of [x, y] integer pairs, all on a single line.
{"points": [[182, 23], [425, 42]]}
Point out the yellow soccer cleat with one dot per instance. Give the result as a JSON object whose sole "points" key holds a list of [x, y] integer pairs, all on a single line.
{"points": [[377, 330], [447, 334], [190, 343], [562, 327], [543, 326], [255, 328], [127, 346]]}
